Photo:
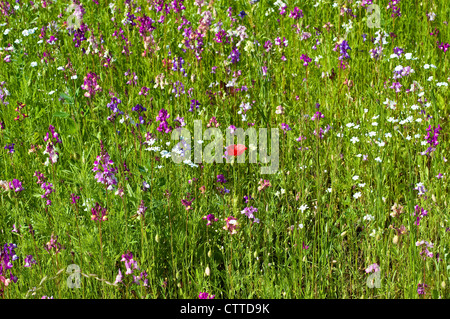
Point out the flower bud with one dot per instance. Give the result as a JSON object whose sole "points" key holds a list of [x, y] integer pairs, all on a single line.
{"points": [[207, 271], [157, 238], [209, 253], [395, 240]]}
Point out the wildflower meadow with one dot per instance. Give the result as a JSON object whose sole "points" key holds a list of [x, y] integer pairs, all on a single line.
{"points": [[222, 149]]}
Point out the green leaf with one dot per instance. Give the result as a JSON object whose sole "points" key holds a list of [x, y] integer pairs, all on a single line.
{"points": [[130, 190], [61, 114], [66, 97]]}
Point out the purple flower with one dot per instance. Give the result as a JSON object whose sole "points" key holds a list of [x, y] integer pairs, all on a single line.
{"points": [[306, 59], [432, 139], [317, 116], [221, 179], [187, 202], [105, 170], [141, 210], [247, 198], [99, 213], [10, 148], [421, 289], [344, 48], [205, 295], [29, 261], [373, 268], [398, 51], [210, 219], [194, 104], [249, 212], [74, 198], [285, 127], [234, 55], [53, 245], [296, 14], [90, 85], [16, 185]]}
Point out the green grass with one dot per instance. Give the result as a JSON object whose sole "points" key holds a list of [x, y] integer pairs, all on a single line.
{"points": [[174, 245]]}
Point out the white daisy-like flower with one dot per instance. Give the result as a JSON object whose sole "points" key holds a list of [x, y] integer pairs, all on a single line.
{"points": [[303, 208], [357, 195], [354, 139]]}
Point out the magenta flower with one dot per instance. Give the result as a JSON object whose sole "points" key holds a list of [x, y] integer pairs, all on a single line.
{"points": [[231, 225], [210, 219], [306, 59], [90, 85], [421, 289], [221, 179], [16, 185], [187, 202], [373, 268], [205, 295], [99, 213]]}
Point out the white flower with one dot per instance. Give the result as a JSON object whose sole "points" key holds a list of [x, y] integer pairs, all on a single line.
{"points": [[388, 135], [349, 125], [372, 134], [356, 177], [357, 195], [374, 124], [368, 217], [426, 66], [51, 92], [329, 190], [300, 226], [303, 208], [33, 64], [74, 77], [6, 31], [354, 139], [362, 184], [408, 56], [378, 159]]}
